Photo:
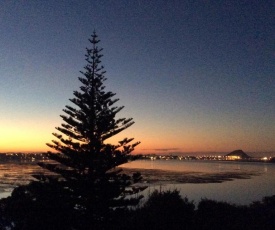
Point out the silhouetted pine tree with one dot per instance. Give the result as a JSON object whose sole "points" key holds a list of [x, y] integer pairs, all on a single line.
{"points": [[86, 186], [90, 163]]}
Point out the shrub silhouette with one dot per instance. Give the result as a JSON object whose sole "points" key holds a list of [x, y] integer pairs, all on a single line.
{"points": [[165, 210], [221, 215]]}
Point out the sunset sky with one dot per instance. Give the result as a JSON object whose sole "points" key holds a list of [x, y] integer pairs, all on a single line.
{"points": [[196, 76]]}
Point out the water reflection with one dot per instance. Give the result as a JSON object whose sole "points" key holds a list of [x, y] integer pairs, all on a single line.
{"points": [[16, 174], [251, 181], [199, 166], [234, 182]]}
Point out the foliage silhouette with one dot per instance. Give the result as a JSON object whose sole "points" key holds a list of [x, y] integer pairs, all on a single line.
{"points": [[167, 210], [164, 210], [85, 185], [221, 215]]}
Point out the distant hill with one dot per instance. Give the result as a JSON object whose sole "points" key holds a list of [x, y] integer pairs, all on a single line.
{"points": [[237, 154]]}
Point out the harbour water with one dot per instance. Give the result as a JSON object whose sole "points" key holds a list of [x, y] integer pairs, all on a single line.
{"points": [[234, 182], [247, 181], [13, 174]]}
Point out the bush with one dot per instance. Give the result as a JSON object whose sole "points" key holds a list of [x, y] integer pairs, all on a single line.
{"points": [[165, 210], [219, 215]]}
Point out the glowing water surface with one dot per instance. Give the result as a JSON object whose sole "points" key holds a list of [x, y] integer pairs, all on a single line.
{"points": [[239, 191], [257, 179], [15, 174]]}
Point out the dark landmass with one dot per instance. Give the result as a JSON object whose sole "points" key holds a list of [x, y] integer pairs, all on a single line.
{"points": [[162, 211], [238, 153], [36, 157]]}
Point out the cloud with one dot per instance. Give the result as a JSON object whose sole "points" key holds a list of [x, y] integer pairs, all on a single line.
{"points": [[163, 150]]}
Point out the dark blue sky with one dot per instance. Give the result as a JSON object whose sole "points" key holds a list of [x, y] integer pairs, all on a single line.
{"points": [[194, 75]]}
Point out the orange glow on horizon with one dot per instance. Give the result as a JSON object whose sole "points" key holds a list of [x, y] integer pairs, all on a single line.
{"points": [[32, 136]]}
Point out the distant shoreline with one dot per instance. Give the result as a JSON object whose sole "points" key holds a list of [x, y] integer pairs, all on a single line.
{"points": [[36, 157]]}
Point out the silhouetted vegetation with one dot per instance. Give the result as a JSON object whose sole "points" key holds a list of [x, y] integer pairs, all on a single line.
{"points": [[167, 210], [163, 210], [85, 188]]}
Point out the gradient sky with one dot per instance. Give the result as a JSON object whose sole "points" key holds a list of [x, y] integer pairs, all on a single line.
{"points": [[194, 75]]}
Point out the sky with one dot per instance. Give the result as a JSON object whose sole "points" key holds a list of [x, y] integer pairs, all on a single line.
{"points": [[196, 76]]}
